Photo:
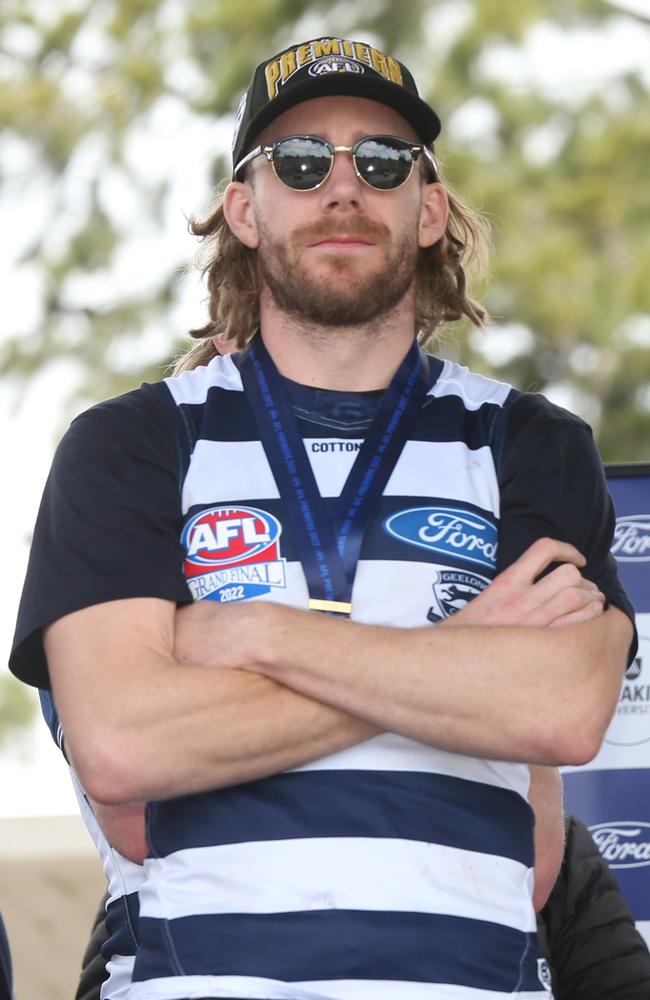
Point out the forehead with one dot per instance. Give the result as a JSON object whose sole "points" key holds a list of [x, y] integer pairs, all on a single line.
{"points": [[340, 119]]}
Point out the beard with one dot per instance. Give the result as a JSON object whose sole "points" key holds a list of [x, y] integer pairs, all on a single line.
{"points": [[355, 293]]}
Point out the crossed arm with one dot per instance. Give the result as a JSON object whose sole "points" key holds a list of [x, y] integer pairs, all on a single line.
{"points": [[221, 726], [294, 686]]}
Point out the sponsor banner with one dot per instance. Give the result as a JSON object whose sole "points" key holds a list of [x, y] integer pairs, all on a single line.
{"points": [[612, 793], [615, 805], [631, 545], [627, 740]]}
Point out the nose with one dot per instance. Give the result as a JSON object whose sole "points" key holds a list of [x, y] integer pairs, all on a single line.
{"points": [[342, 189]]}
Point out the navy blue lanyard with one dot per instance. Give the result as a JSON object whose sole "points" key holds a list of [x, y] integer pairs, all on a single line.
{"points": [[329, 550]]}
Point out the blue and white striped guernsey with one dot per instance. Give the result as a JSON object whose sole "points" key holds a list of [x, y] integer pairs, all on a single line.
{"points": [[389, 871], [123, 878]]}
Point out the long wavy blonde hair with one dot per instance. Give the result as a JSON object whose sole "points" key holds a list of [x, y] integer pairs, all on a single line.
{"points": [[232, 277]]}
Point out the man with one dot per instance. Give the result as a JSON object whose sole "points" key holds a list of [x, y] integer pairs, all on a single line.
{"points": [[335, 808]]}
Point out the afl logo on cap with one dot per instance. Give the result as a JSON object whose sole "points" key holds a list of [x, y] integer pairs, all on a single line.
{"points": [[232, 553], [335, 65]]}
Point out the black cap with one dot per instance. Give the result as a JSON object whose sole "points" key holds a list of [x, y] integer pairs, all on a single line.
{"points": [[326, 67]]}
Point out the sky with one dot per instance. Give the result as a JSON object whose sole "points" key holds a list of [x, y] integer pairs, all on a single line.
{"points": [[33, 777]]}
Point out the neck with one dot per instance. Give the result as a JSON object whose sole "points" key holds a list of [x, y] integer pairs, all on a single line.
{"points": [[347, 358]]}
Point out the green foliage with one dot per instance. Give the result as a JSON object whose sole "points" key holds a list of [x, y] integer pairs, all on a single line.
{"points": [[17, 707], [86, 89], [561, 175]]}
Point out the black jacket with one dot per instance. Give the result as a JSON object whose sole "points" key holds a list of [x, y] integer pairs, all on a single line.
{"points": [[587, 931], [5, 964]]}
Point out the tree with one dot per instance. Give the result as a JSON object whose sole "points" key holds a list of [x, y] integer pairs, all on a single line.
{"points": [[17, 708], [99, 97], [110, 112]]}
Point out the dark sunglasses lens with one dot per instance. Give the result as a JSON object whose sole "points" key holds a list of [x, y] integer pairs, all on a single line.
{"points": [[383, 164], [302, 163]]}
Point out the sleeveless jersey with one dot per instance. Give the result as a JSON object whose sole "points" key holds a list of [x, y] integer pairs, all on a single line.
{"points": [[386, 868]]}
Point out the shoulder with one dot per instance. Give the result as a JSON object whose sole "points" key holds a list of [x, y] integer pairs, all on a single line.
{"points": [[191, 388], [141, 408], [541, 440], [526, 410], [472, 388], [135, 425]]}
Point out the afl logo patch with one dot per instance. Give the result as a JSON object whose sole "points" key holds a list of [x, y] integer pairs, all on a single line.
{"points": [[449, 531], [334, 64], [232, 553]]}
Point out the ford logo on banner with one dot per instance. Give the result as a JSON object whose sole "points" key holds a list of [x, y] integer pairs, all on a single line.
{"points": [[632, 538], [447, 530], [623, 845]]}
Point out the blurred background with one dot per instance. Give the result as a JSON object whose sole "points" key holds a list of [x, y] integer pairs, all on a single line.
{"points": [[115, 125]]}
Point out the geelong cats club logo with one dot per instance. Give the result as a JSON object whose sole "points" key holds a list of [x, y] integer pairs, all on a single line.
{"points": [[232, 553], [452, 591]]}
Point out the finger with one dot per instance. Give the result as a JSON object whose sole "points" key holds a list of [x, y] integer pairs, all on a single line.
{"points": [[569, 601], [589, 612], [540, 555], [562, 590], [563, 577], [567, 576]]}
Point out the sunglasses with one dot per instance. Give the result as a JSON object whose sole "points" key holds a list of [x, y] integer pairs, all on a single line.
{"points": [[304, 162]]}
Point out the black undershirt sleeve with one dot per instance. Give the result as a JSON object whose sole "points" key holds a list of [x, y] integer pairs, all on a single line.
{"points": [[553, 484], [109, 523]]}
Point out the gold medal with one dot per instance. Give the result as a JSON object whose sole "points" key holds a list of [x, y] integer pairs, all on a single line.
{"points": [[339, 607]]}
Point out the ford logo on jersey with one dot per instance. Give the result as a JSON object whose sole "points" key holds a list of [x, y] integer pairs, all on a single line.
{"points": [[232, 553], [624, 844], [632, 538], [447, 530]]}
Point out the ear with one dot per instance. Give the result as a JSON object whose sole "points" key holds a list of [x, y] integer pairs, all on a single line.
{"points": [[239, 212], [434, 213], [223, 345]]}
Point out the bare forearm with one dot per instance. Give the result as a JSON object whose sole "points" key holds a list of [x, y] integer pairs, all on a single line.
{"points": [[501, 692], [161, 728], [208, 729], [283, 730]]}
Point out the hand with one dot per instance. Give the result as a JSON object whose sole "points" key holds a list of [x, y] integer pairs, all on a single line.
{"points": [[517, 597], [211, 634]]}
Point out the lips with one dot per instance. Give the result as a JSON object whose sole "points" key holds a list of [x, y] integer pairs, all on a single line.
{"points": [[343, 241], [346, 233]]}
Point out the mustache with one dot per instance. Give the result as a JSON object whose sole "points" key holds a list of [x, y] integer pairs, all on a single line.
{"points": [[323, 229]]}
